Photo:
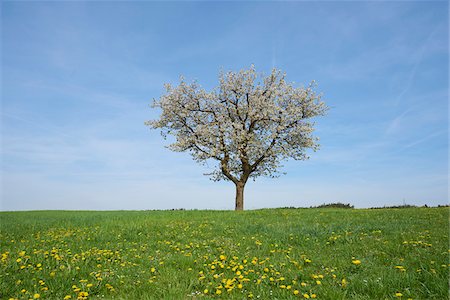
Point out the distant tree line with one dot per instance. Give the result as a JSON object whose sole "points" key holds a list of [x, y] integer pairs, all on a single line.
{"points": [[335, 205], [349, 206], [330, 205]]}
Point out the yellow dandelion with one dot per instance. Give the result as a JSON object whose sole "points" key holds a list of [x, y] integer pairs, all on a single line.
{"points": [[398, 294], [67, 297], [296, 292], [36, 296], [306, 296], [356, 262]]}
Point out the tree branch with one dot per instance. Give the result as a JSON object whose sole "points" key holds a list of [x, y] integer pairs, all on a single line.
{"points": [[225, 171]]}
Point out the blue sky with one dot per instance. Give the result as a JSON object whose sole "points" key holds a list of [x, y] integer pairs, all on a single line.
{"points": [[78, 78]]}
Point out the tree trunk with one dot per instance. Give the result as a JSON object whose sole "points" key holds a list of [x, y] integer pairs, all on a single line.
{"points": [[240, 196]]}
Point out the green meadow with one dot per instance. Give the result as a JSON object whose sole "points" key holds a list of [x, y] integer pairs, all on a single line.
{"points": [[260, 254]]}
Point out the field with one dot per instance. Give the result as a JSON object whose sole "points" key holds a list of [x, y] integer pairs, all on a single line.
{"points": [[262, 254]]}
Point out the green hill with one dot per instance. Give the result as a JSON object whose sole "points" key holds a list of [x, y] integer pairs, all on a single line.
{"points": [[262, 254]]}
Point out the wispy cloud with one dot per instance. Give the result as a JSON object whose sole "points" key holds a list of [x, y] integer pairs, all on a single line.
{"points": [[395, 124], [418, 57], [426, 138]]}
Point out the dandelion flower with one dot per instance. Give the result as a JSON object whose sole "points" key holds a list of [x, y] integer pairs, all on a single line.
{"points": [[344, 282]]}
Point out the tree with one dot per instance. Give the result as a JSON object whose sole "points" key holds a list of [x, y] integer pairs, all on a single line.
{"points": [[248, 124]]}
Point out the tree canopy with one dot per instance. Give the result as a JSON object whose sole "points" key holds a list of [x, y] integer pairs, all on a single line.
{"points": [[249, 123]]}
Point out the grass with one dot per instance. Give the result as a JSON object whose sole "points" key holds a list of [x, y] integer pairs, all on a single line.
{"points": [[263, 254]]}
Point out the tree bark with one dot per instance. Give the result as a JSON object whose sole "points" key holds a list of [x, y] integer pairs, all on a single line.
{"points": [[239, 196]]}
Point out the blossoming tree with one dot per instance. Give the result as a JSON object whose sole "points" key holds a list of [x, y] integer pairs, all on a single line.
{"points": [[248, 124]]}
